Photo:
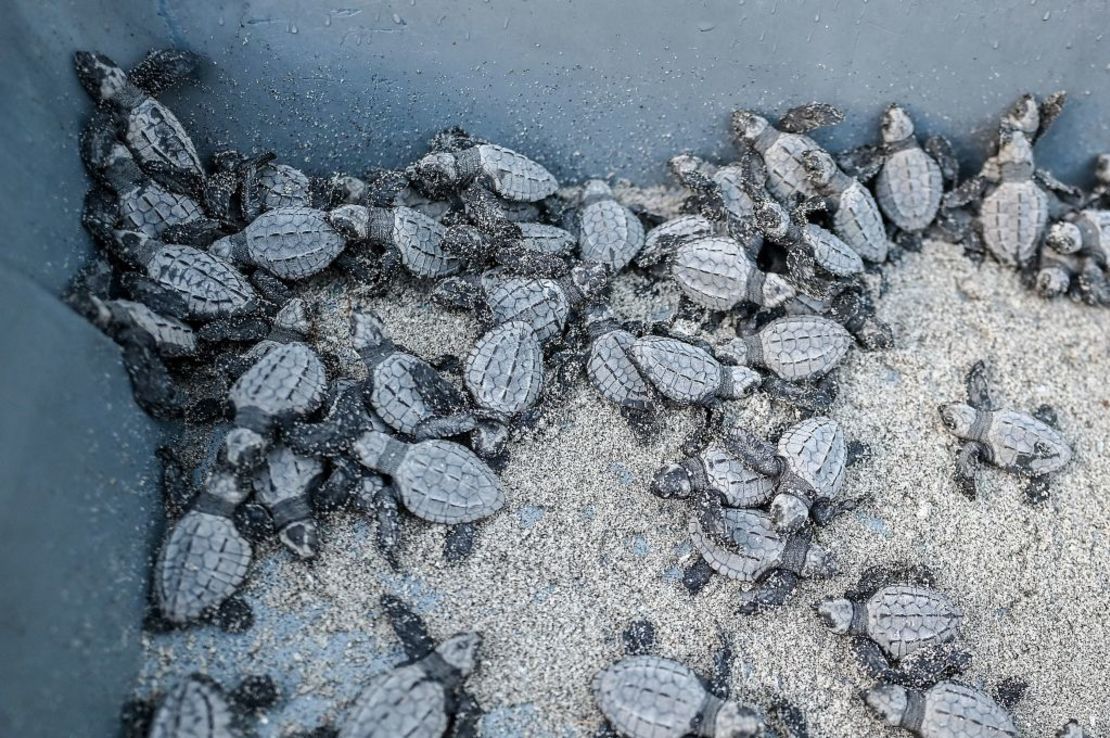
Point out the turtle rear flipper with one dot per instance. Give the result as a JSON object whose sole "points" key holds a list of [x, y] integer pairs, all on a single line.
{"points": [[927, 666], [873, 661], [720, 681], [967, 461], [862, 162], [459, 543], [639, 637], [1010, 691], [697, 575], [234, 615], [467, 719], [753, 451], [772, 591], [409, 627], [940, 149], [786, 720], [162, 69], [809, 117], [1037, 489]]}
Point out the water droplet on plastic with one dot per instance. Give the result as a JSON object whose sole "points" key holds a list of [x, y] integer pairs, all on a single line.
{"points": [[705, 26], [398, 20], [1047, 16]]}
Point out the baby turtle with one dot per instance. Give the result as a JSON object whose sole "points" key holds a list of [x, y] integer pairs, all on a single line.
{"points": [[946, 710], [1079, 251], [782, 147], [423, 697], [904, 630], [911, 182], [510, 175], [170, 336], [1009, 439], [1013, 215], [610, 366], [807, 466], [714, 469], [198, 708], [687, 374], [546, 239], [720, 193], [717, 273], [856, 218], [504, 373], [283, 485], [205, 559], [210, 287], [416, 239], [794, 347], [290, 243], [663, 240], [608, 232], [745, 545], [281, 186]]}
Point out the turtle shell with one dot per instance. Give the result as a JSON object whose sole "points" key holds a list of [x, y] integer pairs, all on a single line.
{"points": [[405, 391], [730, 184], [754, 546], [402, 703], [504, 370], [1020, 442], [831, 253], [293, 243], [443, 482], [903, 619], [288, 380], [514, 176], [650, 697], [738, 483], [203, 562], [662, 240], [609, 233], [681, 372], [956, 711], [714, 272], [211, 287], [150, 209], [786, 174], [160, 144], [285, 475], [419, 241], [858, 223], [546, 239], [283, 186], [799, 347], [814, 450], [611, 369], [173, 337], [1013, 218], [909, 188], [195, 708], [539, 302]]}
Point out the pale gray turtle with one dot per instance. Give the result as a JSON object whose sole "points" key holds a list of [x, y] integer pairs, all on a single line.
{"points": [[171, 337], [721, 194], [1009, 439], [794, 347], [282, 186], [687, 374], [1072, 730], [782, 147], [416, 239], [717, 470], [197, 707], [746, 546], [546, 239], [904, 631], [946, 710], [910, 183], [205, 559], [510, 175], [504, 373], [661, 241], [855, 216], [156, 138], [282, 485], [808, 468], [210, 287], [290, 243], [1085, 232], [1078, 255], [717, 273], [1032, 117], [1013, 214], [425, 697], [608, 232], [609, 363]]}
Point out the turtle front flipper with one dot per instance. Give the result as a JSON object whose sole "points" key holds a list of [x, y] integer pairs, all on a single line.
{"points": [[1010, 691], [967, 461], [162, 69], [199, 233], [1048, 111], [825, 510], [786, 720], [754, 451], [807, 397], [467, 720], [1037, 489], [383, 500], [409, 627], [809, 117], [449, 426], [862, 162], [927, 666], [460, 542], [978, 387], [697, 575], [234, 615], [873, 661], [151, 383], [155, 296], [720, 681], [639, 638], [773, 591]]}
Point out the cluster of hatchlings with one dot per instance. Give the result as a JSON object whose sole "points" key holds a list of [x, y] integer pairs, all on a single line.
{"points": [[197, 280]]}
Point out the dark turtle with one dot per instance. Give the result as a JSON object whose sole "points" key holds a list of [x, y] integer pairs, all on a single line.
{"points": [[510, 175], [716, 272], [290, 243], [946, 710], [1009, 439], [417, 239], [283, 485], [688, 374], [170, 336], [663, 240], [197, 707], [794, 347], [855, 216], [608, 232], [904, 630]]}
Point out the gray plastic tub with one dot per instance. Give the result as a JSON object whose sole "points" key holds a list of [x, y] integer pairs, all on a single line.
{"points": [[588, 88]]}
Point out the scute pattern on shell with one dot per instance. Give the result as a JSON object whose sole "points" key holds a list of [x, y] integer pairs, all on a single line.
{"points": [[955, 711], [195, 708], [1023, 443], [202, 563], [285, 475], [151, 209], [504, 370], [909, 189], [738, 483], [287, 379], [546, 239], [539, 302], [831, 253], [858, 223], [419, 241], [662, 240], [902, 619], [406, 391], [611, 369], [649, 697], [609, 234], [713, 272], [210, 286], [786, 173], [756, 547], [802, 346], [293, 243], [1013, 219], [443, 482], [514, 176], [681, 372], [815, 450], [402, 703], [173, 337], [159, 141], [283, 186]]}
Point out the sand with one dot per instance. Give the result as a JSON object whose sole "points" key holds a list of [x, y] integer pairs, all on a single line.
{"points": [[583, 548]]}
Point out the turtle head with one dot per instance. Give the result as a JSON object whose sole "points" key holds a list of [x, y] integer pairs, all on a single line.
{"points": [[1064, 237], [590, 278], [1014, 148], [1102, 169], [776, 290], [294, 318], [1052, 281], [684, 166], [889, 701], [244, 448], [820, 167], [232, 249], [596, 189], [958, 418], [367, 330], [436, 174], [300, 537], [672, 481], [747, 126], [789, 511], [836, 613], [1023, 116], [461, 651], [772, 219], [352, 221], [896, 124], [736, 721], [818, 564], [100, 76]]}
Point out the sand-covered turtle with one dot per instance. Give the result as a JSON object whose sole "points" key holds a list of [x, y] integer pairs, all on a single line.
{"points": [[205, 559], [782, 147], [1077, 256], [417, 240], [1009, 439], [904, 630], [716, 272], [281, 186], [807, 466], [946, 710], [1014, 212], [855, 216], [424, 697], [510, 175], [283, 485], [290, 243], [793, 347], [504, 373], [198, 707], [210, 287], [688, 374], [155, 136], [608, 232], [721, 194], [171, 337], [546, 239], [663, 240]]}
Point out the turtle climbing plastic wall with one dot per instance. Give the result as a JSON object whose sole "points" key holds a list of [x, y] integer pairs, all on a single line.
{"points": [[591, 89]]}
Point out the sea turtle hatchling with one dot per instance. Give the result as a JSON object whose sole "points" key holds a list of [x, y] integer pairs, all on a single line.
{"points": [[1014, 213], [609, 363], [904, 631], [416, 239], [290, 243], [504, 373], [793, 347], [1008, 439], [721, 194], [197, 707], [608, 232], [946, 710], [717, 470], [855, 216], [283, 485], [688, 374], [1079, 252], [204, 558], [717, 273], [170, 336], [282, 186], [910, 183], [546, 239], [510, 175], [426, 696]]}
